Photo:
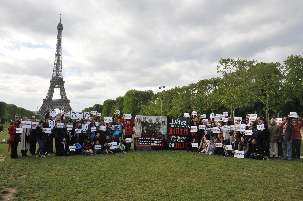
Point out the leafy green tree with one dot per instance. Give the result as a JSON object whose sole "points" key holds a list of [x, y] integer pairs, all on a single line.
{"points": [[232, 90], [265, 86], [293, 82], [134, 100], [108, 108]]}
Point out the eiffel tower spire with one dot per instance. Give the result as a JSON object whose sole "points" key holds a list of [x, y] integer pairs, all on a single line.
{"points": [[56, 81]]}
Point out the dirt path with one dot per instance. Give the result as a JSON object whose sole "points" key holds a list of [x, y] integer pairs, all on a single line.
{"points": [[8, 194]]}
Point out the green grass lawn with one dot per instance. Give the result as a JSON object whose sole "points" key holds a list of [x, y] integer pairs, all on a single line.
{"points": [[165, 175], [161, 175]]}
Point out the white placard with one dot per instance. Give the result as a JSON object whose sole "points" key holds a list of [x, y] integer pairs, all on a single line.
{"points": [[94, 113], [72, 148], [19, 130], [260, 127], [53, 114], [128, 140], [237, 118], [186, 115], [218, 145], [248, 132], [86, 115], [69, 127], [212, 115], [93, 129], [47, 130], [108, 120], [117, 112], [98, 114], [225, 119], [228, 147], [78, 131], [202, 127], [225, 114], [84, 127], [51, 123], [102, 128], [113, 145], [76, 115], [127, 116], [193, 129], [26, 124], [239, 154], [194, 113], [98, 147], [60, 125], [216, 130], [203, 116], [194, 145], [35, 124]]}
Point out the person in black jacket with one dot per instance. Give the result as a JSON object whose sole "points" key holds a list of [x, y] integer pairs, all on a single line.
{"points": [[60, 134]]}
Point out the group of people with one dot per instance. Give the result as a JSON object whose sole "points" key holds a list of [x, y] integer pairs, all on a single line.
{"points": [[68, 136], [251, 136], [257, 139]]}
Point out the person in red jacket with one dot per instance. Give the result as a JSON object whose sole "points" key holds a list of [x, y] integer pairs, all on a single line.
{"points": [[296, 138], [13, 139]]}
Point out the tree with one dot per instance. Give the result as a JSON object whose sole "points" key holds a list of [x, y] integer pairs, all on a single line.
{"points": [[134, 100], [293, 81], [108, 107], [265, 85], [232, 89]]}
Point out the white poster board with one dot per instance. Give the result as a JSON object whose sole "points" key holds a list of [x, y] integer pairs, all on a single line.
{"points": [[194, 145], [186, 115], [127, 116], [69, 127], [108, 120], [193, 129], [60, 125], [26, 124], [51, 123], [218, 145], [248, 132], [19, 130], [239, 154], [128, 140]]}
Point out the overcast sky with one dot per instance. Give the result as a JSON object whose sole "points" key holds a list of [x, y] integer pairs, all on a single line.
{"points": [[112, 46]]}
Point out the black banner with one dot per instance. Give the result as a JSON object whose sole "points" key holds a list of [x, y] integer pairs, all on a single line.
{"points": [[178, 132]]}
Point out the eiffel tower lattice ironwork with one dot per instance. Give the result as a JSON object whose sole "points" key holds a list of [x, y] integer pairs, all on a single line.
{"points": [[56, 81]]}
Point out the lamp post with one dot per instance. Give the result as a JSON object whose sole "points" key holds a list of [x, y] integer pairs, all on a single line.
{"points": [[161, 89]]}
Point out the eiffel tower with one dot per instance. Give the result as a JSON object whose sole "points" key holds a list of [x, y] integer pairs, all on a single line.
{"points": [[63, 104]]}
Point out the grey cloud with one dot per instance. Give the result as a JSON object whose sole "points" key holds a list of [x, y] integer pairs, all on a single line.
{"points": [[112, 46]]}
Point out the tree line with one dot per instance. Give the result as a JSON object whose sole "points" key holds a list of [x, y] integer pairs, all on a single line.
{"points": [[241, 86], [9, 111]]}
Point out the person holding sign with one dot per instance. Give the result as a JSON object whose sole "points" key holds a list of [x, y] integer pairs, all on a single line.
{"points": [[60, 134]]}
